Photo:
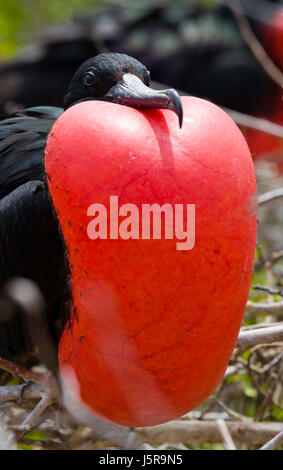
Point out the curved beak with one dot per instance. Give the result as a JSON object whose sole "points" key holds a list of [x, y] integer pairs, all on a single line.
{"points": [[131, 91]]}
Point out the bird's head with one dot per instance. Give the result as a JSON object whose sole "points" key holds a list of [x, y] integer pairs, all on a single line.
{"points": [[120, 79]]}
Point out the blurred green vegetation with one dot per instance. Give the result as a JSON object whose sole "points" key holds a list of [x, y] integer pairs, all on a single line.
{"points": [[21, 21]]}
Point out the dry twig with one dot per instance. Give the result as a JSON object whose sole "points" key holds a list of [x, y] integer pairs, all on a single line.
{"points": [[269, 290], [256, 123], [31, 420], [274, 443], [10, 393], [197, 432], [226, 436], [17, 371], [270, 334], [256, 47], [260, 308], [270, 196]]}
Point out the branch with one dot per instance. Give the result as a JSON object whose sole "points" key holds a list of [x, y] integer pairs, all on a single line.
{"points": [[254, 44], [47, 396], [269, 290], [270, 334], [196, 432], [226, 436], [256, 123], [277, 441], [270, 196], [256, 326], [18, 392], [18, 371], [31, 420], [264, 308]]}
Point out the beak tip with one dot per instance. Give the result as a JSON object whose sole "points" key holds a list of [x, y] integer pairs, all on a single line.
{"points": [[175, 104]]}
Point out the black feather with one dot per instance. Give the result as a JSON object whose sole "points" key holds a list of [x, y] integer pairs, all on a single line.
{"points": [[31, 247], [30, 241], [22, 143]]}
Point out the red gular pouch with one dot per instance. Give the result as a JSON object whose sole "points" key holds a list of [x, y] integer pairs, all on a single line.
{"points": [[157, 313]]}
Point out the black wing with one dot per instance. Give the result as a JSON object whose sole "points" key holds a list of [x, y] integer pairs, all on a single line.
{"points": [[22, 142], [31, 247], [30, 242]]}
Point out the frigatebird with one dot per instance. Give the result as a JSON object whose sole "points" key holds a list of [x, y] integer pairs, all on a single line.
{"points": [[31, 245]]}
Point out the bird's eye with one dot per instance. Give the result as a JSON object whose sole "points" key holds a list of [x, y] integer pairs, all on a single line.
{"points": [[90, 79]]}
